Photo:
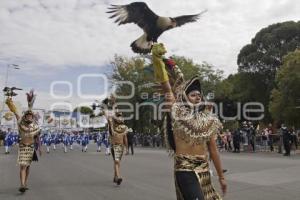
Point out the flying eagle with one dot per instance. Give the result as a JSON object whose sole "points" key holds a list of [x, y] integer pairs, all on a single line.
{"points": [[152, 24]]}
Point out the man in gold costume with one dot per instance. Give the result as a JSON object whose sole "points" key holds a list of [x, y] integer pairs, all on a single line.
{"points": [[190, 131], [118, 139], [29, 131]]}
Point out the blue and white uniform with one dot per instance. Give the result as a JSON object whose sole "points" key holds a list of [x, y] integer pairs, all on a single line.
{"points": [[66, 141], [99, 141], [84, 142], [105, 140], [72, 139], [48, 140], [15, 138], [8, 141]]}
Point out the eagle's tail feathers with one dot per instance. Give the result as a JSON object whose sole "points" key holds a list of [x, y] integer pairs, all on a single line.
{"points": [[141, 45]]}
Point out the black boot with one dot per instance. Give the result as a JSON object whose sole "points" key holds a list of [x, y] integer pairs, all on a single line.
{"points": [[119, 181]]}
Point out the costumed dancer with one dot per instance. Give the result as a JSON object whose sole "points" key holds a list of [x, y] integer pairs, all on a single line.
{"points": [[190, 131], [118, 137], [29, 131]]}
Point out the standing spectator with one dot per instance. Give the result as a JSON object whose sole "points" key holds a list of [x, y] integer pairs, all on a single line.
{"points": [[245, 135], [294, 139], [158, 140], [1, 137], [149, 139], [252, 136], [280, 141], [219, 142], [229, 140], [286, 139], [153, 140], [130, 137], [135, 139], [236, 141], [224, 141], [265, 139], [271, 137]]}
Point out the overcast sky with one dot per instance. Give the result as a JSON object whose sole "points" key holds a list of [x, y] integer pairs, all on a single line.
{"points": [[59, 40]]}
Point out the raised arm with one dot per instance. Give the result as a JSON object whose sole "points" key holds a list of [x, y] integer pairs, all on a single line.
{"points": [[10, 104], [160, 72], [105, 104]]}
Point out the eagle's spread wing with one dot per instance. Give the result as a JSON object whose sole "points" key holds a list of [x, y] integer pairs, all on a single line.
{"points": [[137, 12], [152, 25], [181, 20]]}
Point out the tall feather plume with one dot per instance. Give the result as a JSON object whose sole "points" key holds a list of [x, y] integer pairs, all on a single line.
{"points": [[30, 99]]}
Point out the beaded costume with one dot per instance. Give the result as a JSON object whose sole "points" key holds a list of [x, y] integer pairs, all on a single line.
{"points": [[117, 128], [27, 130], [27, 151], [191, 124], [194, 126]]}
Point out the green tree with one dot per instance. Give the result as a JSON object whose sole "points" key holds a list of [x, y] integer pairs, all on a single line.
{"points": [[244, 87], [268, 47], [132, 70], [264, 56], [285, 98], [139, 71], [84, 110], [241, 88]]}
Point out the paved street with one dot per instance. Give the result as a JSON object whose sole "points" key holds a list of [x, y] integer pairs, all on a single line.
{"points": [[147, 175]]}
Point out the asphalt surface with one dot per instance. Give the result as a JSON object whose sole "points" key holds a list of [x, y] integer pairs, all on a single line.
{"points": [[147, 175]]}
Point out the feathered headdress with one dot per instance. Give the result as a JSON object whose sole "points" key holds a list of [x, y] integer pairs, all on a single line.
{"points": [[30, 99]]}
